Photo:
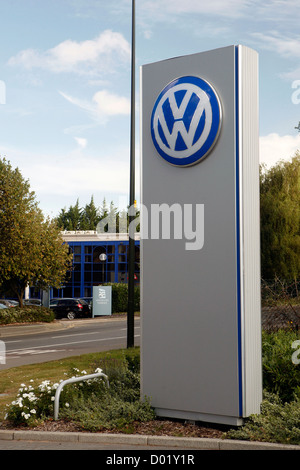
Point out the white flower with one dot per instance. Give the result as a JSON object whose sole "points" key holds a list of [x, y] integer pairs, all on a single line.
{"points": [[98, 370], [18, 401], [31, 397], [44, 385], [33, 412], [67, 405]]}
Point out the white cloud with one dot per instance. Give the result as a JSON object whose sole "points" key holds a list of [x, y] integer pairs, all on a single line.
{"points": [[110, 104], [83, 104], [86, 57], [81, 142], [274, 147], [274, 41], [104, 104]]}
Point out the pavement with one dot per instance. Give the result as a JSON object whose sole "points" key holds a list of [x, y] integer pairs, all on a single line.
{"points": [[30, 439], [134, 441]]}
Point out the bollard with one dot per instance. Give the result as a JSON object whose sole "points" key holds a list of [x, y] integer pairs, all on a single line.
{"points": [[73, 380]]}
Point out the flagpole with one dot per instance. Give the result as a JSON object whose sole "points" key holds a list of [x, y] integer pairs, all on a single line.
{"points": [[131, 254]]}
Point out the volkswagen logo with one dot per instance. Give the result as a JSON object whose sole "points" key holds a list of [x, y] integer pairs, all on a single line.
{"points": [[186, 121]]}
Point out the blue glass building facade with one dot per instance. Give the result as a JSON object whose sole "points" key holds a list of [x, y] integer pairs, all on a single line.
{"points": [[97, 259]]}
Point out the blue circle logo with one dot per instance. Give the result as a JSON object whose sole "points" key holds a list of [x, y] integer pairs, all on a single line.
{"points": [[186, 121]]}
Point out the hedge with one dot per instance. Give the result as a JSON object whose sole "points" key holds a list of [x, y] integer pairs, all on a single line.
{"points": [[26, 314], [119, 294]]}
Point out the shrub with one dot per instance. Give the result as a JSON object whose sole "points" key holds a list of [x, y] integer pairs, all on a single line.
{"points": [[278, 422], [32, 404], [119, 294], [26, 314], [280, 374], [116, 407], [96, 413]]}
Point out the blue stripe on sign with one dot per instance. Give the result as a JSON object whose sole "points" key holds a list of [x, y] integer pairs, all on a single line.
{"points": [[238, 253]]}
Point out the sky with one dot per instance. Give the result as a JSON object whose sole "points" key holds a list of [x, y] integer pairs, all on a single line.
{"points": [[65, 73]]}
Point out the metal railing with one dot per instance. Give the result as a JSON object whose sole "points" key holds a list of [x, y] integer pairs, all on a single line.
{"points": [[73, 380]]}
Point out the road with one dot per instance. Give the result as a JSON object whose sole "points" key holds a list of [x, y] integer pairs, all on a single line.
{"points": [[73, 338]]}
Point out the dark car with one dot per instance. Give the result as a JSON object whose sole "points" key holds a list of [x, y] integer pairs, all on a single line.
{"points": [[88, 300], [70, 308], [32, 302]]}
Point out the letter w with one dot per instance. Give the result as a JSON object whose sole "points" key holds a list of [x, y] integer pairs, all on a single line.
{"points": [[178, 115]]}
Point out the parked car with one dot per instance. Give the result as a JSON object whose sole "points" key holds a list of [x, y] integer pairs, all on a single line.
{"points": [[7, 303], [70, 308], [32, 302], [3, 306], [88, 300]]}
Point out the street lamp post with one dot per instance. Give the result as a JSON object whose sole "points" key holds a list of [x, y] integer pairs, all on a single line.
{"points": [[131, 254]]}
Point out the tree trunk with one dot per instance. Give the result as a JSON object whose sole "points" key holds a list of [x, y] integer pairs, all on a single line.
{"points": [[20, 294]]}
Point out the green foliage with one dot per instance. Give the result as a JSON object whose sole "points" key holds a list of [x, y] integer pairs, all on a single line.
{"points": [[278, 422], [119, 294], [280, 220], [279, 419], [83, 218], [95, 413], [32, 251], [26, 314], [87, 217], [280, 374], [116, 407]]}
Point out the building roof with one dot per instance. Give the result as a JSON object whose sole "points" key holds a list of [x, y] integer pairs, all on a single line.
{"points": [[94, 236]]}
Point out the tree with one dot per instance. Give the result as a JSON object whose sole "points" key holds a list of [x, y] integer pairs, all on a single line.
{"points": [[87, 218], [70, 219], [90, 216], [280, 220], [32, 251], [62, 219], [103, 210]]}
